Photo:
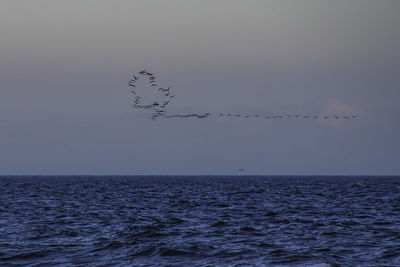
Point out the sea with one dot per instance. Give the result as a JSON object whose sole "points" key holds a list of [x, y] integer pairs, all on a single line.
{"points": [[317, 221]]}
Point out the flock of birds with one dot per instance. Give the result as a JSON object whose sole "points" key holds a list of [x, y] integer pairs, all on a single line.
{"points": [[159, 108]]}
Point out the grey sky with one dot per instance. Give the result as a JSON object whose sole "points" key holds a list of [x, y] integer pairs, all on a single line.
{"points": [[65, 106]]}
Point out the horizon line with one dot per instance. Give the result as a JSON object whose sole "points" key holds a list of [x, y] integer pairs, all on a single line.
{"points": [[236, 175]]}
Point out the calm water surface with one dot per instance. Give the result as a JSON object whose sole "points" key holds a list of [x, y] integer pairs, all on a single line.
{"points": [[200, 221]]}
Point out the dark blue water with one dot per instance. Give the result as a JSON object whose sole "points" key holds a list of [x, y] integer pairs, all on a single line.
{"points": [[200, 221]]}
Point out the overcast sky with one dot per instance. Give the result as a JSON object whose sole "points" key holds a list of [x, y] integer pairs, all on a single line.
{"points": [[65, 106]]}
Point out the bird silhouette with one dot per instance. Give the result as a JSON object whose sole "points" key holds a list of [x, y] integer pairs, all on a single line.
{"points": [[163, 89]]}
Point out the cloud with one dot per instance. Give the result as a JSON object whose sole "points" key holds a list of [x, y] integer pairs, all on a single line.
{"points": [[337, 106]]}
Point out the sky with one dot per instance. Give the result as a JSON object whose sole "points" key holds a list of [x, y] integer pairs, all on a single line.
{"points": [[65, 106]]}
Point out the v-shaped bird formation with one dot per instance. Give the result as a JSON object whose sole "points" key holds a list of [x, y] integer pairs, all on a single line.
{"points": [[159, 108]]}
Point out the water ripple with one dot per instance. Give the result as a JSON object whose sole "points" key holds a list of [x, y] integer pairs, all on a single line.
{"points": [[202, 221]]}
